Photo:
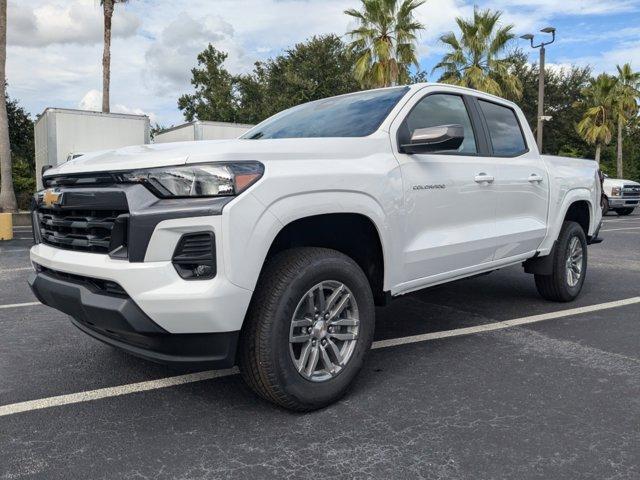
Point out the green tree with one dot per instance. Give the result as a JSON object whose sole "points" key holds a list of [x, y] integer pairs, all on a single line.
{"points": [[107, 10], [213, 98], [318, 68], [563, 90], [597, 123], [626, 106], [384, 41], [475, 57], [7, 194], [22, 152]]}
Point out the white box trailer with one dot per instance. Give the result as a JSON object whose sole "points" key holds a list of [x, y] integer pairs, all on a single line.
{"points": [[61, 133], [201, 130]]}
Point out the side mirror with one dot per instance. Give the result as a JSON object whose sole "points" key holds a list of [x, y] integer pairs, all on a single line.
{"points": [[435, 139]]}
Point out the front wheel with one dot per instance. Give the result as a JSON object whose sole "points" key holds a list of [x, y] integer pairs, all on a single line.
{"points": [[569, 266], [308, 328]]}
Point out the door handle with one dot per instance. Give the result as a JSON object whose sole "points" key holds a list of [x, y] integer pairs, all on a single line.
{"points": [[484, 178], [534, 177]]}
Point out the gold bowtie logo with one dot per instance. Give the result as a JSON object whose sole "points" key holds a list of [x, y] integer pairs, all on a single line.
{"points": [[51, 198]]}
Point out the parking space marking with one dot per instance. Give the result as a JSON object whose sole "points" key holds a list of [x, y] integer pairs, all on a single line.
{"points": [[620, 229], [14, 250], [18, 305], [120, 390], [21, 269]]}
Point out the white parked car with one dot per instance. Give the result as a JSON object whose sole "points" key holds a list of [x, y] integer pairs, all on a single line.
{"points": [[622, 196], [270, 251]]}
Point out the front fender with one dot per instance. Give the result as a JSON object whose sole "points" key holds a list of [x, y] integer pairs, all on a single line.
{"points": [[252, 227]]}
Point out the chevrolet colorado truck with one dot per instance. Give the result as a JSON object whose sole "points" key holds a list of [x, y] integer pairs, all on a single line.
{"points": [[271, 250], [622, 196]]}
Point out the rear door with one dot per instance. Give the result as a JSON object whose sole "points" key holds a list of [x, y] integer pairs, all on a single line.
{"points": [[522, 183], [449, 196]]}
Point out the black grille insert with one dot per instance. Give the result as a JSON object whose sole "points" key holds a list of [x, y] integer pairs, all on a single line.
{"points": [[631, 191], [96, 285], [83, 230], [195, 257]]}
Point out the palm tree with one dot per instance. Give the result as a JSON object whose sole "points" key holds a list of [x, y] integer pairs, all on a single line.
{"points": [[384, 42], [597, 124], [626, 104], [474, 59], [107, 7], [7, 195]]}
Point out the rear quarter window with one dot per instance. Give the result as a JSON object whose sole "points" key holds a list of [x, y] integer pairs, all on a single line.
{"points": [[505, 132]]}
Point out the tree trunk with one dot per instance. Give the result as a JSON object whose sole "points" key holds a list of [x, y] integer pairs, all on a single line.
{"points": [[106, 54], [619, 152], [598, 146], [7, 195]]}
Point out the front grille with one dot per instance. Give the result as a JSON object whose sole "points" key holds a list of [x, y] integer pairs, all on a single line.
{"points": [[631, 191], [82, 230]]}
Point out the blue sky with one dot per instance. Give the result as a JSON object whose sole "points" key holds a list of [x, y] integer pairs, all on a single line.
{"points": [[54, 53]]}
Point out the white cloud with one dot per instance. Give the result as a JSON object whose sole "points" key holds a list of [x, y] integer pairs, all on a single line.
{"points": [[92, 101], [170, 58], [79, 22], [55, 46]]}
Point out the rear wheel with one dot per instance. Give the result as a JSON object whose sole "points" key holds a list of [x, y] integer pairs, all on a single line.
{"points": [[308, 328], [624, 211], [569, 266]]}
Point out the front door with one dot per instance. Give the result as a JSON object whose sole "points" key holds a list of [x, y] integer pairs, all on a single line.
{"points": [[450, 198]]}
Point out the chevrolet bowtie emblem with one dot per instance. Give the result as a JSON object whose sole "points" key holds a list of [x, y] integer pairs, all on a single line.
{"points": [[51, 198]]}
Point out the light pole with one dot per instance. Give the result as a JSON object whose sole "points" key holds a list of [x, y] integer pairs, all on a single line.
{"points": [[541, 46]]}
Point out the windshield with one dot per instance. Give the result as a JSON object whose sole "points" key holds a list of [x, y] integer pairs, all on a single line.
{"points": [[355, 115]]}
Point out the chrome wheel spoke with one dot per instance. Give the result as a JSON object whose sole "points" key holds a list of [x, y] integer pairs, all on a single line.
{"points": [[335, 351], [301, 338], [343, 336], [304, 356], [345, 322], [322, 302], [328, 364], [305, 322], [313, 360], [340, 306], [334, 296]]}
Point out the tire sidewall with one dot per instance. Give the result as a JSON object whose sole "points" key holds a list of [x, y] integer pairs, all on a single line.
{"points": [[572, 230], [331, 267]]}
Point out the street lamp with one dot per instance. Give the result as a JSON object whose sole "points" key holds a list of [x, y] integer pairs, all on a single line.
{"points": [[541, 46]]}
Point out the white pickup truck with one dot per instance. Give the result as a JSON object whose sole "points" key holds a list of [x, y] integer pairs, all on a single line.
{"points": [[271, 250], [622, 196]]}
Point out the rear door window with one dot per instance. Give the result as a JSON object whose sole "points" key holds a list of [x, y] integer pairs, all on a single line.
{"points": [[505, 133]]}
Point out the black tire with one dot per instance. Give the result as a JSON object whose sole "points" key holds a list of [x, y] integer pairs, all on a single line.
{"points": [[264, 358], [556, 287], [624, 211], [605, 205]]}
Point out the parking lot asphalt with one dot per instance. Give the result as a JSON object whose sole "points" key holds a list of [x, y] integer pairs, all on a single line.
{"points": [[554, 399]]}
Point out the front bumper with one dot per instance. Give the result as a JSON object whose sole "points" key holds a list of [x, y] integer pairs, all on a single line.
{"points": [[114, 318], [623, 202]]}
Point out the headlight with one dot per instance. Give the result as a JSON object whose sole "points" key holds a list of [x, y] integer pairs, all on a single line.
{"points": [[616, 191], [197, 180]]}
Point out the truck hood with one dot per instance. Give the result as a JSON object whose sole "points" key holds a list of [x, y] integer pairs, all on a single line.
{"points": [[617, 182], [179, 153]]}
